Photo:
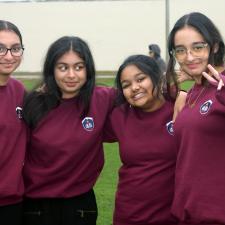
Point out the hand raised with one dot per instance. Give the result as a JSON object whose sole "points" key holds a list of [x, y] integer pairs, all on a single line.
{"points": [[215, 78], [182, 76]]}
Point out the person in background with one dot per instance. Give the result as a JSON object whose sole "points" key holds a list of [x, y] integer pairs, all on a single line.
{"points": [[155, 53], [196, 44], [142, 125], [12, 129], [65, 152]]}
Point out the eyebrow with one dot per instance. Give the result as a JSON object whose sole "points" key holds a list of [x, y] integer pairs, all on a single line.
{"points": [[77, 63], [197, 42], [136, 75], [11, 45]]}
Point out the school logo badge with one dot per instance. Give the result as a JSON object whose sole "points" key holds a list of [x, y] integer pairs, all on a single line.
{"points": [[19, 112], [88, 123], [169, 127], [204, 108]]}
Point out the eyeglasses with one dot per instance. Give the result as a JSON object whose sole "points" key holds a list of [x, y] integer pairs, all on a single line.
{"points": [[15, 50], [197, 50]]}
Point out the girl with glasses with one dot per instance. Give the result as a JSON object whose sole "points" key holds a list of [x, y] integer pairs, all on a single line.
{"points": [[197, 46], [12, 128]]}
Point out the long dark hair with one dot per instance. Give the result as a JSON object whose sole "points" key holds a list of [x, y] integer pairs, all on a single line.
{"points": [[39, 103], [148, 66], [209, 32]]}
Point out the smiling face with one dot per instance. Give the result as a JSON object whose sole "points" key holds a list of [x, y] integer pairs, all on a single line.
{"points": [[8, 62], [70, 74], [138, 89], [192, 64]]}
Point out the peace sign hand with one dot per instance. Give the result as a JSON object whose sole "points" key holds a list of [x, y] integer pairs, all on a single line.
{"points": [[215, 79]]}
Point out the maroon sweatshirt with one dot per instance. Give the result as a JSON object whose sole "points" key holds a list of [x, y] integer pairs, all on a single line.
{"points": [[146, 178], [13, 142], [200, 173], [65, 154]]}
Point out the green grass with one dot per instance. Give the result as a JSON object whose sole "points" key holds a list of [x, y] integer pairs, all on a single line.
{"points": [[105, 81], [32, 83], [187, 85], [106, 184]]}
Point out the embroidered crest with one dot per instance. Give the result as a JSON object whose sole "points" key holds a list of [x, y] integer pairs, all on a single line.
{"points": [[88, 123], [19, 112], [204, 108], [169, 127]]}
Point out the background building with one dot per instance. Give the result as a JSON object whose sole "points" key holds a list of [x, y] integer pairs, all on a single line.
{"points": [[113, 29]]}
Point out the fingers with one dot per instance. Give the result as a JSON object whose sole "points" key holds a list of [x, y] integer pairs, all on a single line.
{"points": [[222, 78], [214, 72], [182, 76], [220, 85], [216, 79], [210, 79], [218, 76]]}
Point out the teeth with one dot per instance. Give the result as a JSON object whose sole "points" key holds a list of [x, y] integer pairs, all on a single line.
{"points": [[139, 95]]}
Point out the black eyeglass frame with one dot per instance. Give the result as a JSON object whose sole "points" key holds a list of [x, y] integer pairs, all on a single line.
{"points": [[12, 53]]}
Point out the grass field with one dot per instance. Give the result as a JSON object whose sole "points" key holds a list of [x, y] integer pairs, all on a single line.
{"points": [[106, 184]]}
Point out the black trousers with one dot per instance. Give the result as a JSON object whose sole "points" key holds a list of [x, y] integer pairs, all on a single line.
{"points": [[11, 214], [79, 210]]}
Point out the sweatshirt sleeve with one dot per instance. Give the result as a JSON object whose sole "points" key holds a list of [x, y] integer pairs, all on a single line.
{"points": [[108, 132]]}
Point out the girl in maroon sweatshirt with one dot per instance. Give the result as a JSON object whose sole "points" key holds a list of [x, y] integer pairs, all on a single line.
{"points": [[142, 125], [12, 128], [195, 42], [65, 152]]}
